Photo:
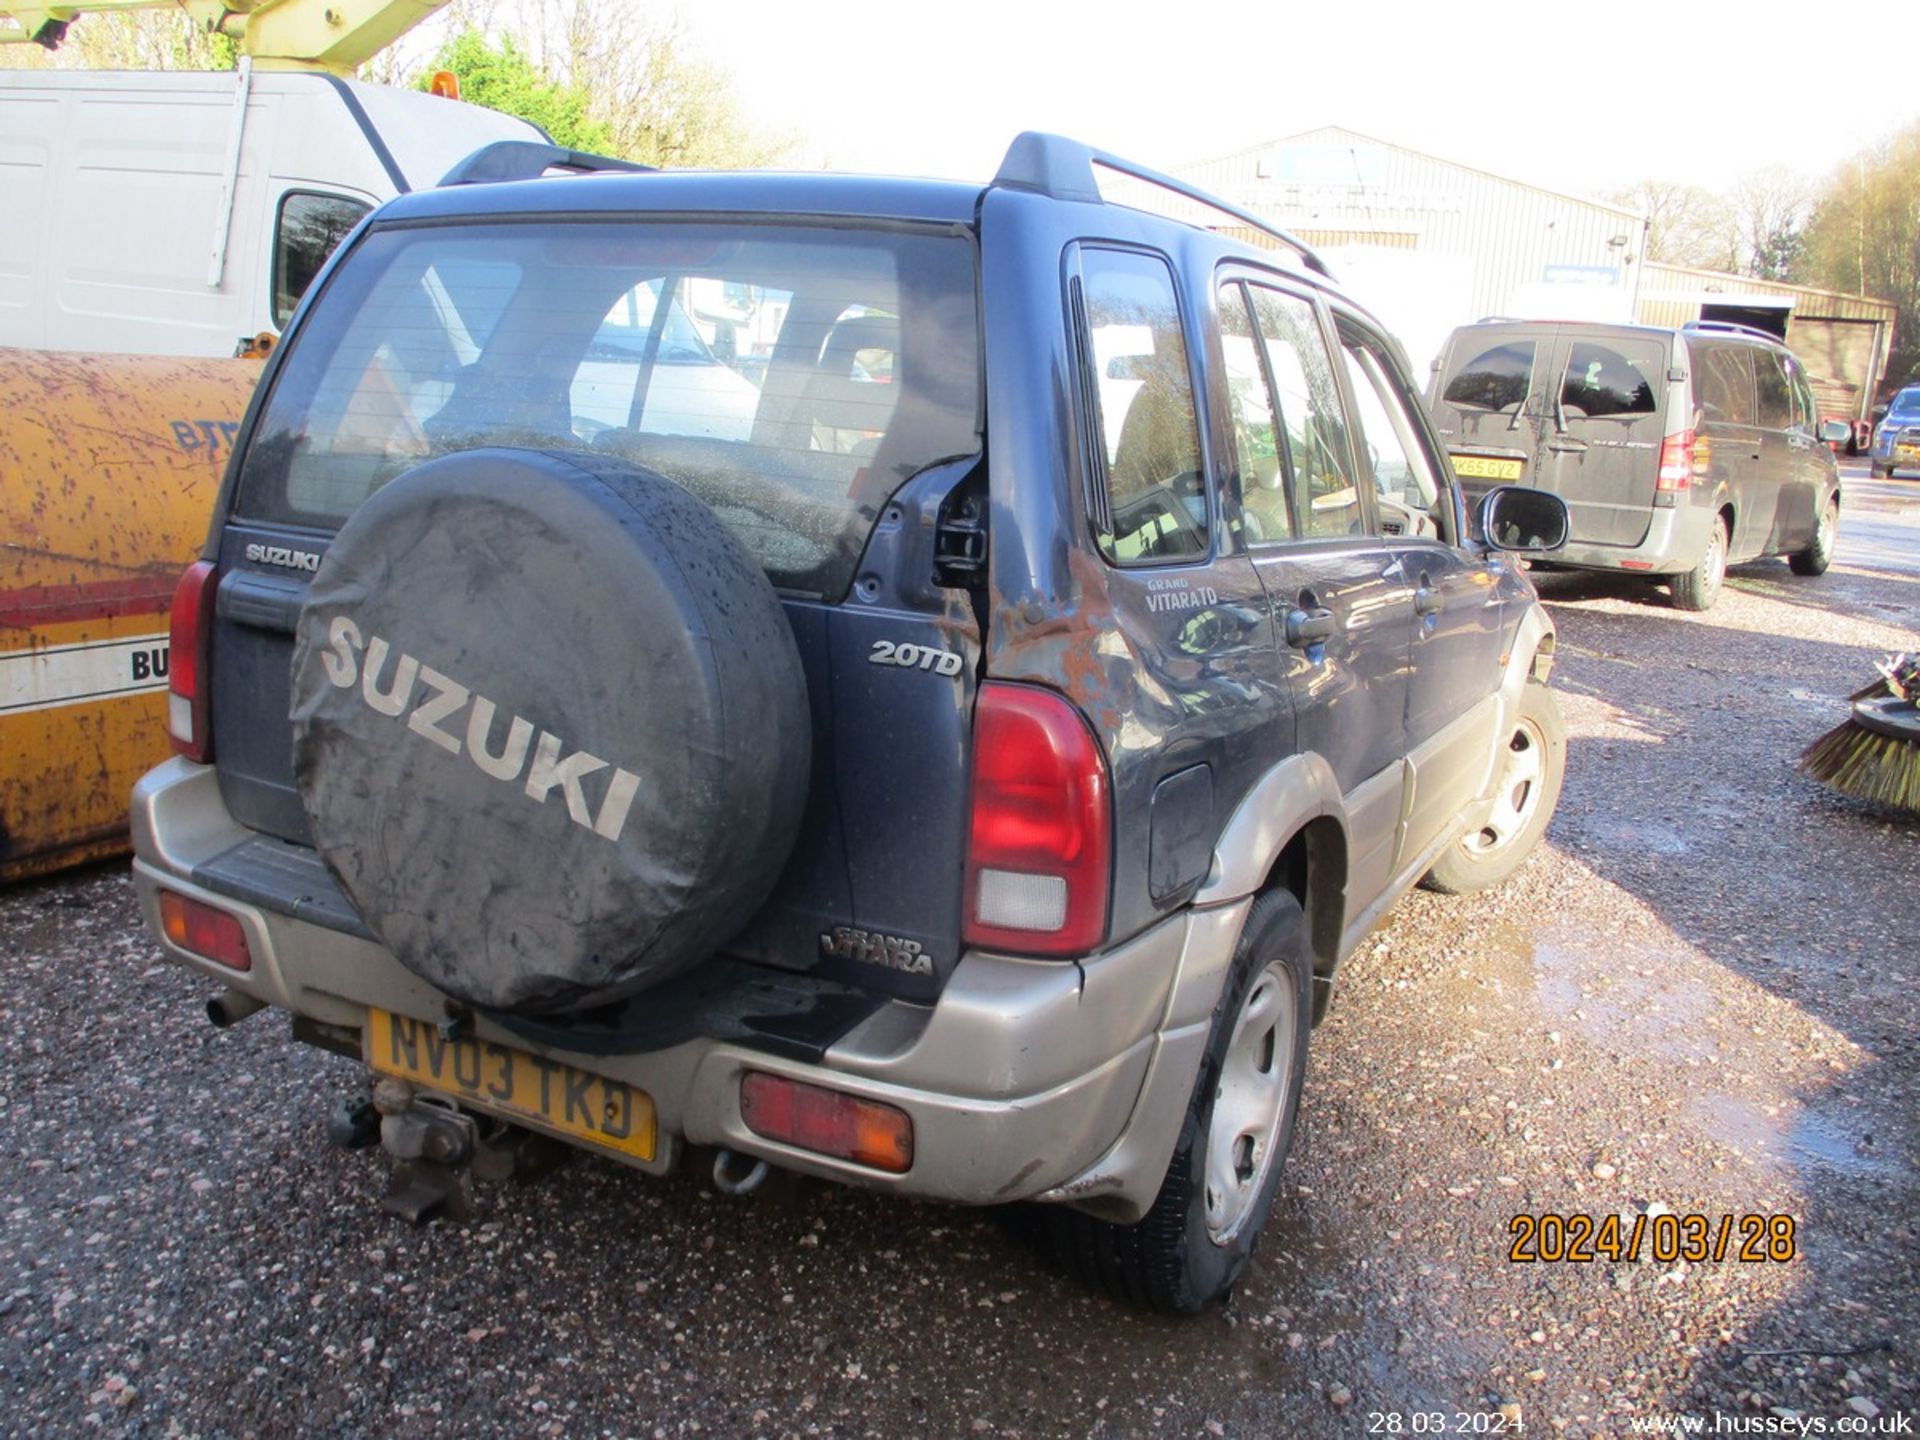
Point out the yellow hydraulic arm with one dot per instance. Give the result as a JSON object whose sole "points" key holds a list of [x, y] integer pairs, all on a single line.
{"points": [[332, 35]]}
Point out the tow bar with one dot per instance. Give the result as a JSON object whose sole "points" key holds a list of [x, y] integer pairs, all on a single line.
{"points": [[439, 1149]]}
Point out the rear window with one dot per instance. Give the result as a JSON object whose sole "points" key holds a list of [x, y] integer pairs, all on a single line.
{"points": [[791, 377], [1602, 382], [1496, 379]]}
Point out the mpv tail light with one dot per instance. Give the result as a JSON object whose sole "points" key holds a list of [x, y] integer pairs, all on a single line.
{"points": [[189, 673], [1680, 459], [1040, 836]]}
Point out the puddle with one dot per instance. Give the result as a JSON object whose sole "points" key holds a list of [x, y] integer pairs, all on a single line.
{"points": [[1627, 1004], [1791, 1135]]}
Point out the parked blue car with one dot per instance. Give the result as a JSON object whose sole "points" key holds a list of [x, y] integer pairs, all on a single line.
{"points": [[1896, 439]]}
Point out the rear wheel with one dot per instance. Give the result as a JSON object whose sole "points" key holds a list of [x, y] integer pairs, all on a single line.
{"points": [[1699, 587], [1219, 1188], [1532, 766], [1816, 557]]}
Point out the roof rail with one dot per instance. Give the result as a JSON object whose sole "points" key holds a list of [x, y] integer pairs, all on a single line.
{"points": [[1729, 327], [528, 160], [1055, 166]]}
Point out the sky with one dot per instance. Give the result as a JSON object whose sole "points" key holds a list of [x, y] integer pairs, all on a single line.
{"points": [[1578, 97]]}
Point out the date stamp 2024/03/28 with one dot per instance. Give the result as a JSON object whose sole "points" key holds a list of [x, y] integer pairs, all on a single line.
{"points": [[1552, 1238]]}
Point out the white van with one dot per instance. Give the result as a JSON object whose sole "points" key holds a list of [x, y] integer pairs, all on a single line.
{"points": [[184, 213]]}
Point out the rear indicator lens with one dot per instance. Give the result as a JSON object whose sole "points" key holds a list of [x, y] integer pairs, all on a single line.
{"points": [[827, 1122], [204, 931], [190, 650], [1041, 831]]}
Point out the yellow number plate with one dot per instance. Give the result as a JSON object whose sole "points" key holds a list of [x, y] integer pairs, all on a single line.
{"points": [[1487, 467], [1907, 453], [610, 1114]]}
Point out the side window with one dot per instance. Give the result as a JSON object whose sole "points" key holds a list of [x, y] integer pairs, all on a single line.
{"points": [[1258, 441], [310, 228], [1770, 386], [1313, 428], [1723, 384], [1496, 379], [1403, 472], [1601, 382], [1806, 415], [1149, 496]]}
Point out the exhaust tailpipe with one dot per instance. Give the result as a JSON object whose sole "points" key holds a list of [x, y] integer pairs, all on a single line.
{"points": [[230, 1007]]}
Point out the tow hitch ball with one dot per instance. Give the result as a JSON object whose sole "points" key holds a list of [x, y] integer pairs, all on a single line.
{"points": [[438, 1149]]}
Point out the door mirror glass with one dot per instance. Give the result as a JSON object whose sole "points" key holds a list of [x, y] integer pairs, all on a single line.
{"points": [[1513, 518]]}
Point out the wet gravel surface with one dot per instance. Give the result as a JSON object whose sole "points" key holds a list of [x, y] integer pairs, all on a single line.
{"points": [[1700, 999]]}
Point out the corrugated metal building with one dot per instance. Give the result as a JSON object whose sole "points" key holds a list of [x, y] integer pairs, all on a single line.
{"points": [[1429, 243]]}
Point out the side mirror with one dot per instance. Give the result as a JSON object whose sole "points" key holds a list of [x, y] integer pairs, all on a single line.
{"points": [[1515, 518], [1833, 432]]}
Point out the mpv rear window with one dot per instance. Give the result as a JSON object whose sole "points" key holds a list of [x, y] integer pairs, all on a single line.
{"points": [[1498, 378], [791, 377]]}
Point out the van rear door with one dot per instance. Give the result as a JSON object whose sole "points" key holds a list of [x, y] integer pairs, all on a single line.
{"points": [[1600, 431], [1485, 402]]}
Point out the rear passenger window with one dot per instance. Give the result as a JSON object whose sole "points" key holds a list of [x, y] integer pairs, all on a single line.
{"points": [[1770, 385], [1601, 382], [1148, 493], [1723, 385], [1496, 379], [1313, 428], [1257, 439]]}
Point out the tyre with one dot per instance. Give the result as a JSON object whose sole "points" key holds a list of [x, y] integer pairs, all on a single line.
{"points": [[1879, 471], [1218, 1191], [1699, 587], [1816, 557], [1533, 766], [550, 727]]}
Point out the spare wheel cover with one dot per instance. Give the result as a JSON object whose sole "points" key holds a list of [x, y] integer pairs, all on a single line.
{"points": [[549, 726]]}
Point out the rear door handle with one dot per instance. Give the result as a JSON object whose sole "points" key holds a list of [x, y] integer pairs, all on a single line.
{"points": [[1310, 627], [1426, 599], [1567, 447]]}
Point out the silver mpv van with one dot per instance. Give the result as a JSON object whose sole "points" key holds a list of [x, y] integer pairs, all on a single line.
{"points": [[1676, 451]]}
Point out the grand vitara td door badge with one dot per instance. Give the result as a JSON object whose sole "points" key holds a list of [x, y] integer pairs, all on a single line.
{"points": [[442, 701]]}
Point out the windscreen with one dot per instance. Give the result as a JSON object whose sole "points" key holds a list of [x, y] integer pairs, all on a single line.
{"points": [[791, 377]]}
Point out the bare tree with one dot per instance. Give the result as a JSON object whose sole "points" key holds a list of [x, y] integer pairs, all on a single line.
{"points": [[1686, 224]]}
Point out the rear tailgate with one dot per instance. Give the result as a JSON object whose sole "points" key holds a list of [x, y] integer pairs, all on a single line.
{"points": [[823, 401]]}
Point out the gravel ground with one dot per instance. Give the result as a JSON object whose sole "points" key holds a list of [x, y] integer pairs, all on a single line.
{"points": [[1700, 998]]}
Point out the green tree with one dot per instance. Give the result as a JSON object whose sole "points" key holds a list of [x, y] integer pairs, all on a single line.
{"points": [[503, 78], [129, 40], [1864, 238]]}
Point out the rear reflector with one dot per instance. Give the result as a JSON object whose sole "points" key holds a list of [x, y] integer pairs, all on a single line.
{"points": [[189, 656], [827, 1122], [209, 933], [1040, 835]]}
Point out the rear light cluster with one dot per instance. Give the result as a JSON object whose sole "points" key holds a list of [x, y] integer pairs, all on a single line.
{"points": [[1682, 457], [189, 668], [827, 1122], [204, 931], [1040, 836]]}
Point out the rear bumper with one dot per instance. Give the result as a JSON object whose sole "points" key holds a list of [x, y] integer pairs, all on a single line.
{"points": [[1674, 542], [1027, 1079]]}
